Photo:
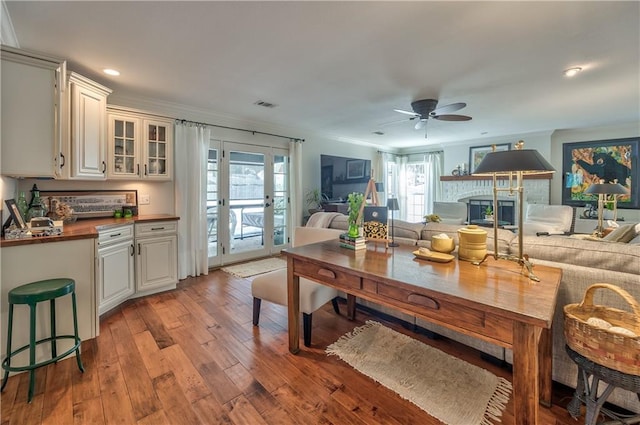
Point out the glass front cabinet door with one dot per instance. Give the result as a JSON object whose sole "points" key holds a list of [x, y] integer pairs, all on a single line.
{"points": [[139, 147]]}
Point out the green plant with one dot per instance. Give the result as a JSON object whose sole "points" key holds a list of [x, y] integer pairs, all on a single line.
{"points": [[355, 200], [313, 198], [488, 210]]}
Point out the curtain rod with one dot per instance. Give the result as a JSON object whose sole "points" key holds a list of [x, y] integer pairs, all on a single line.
{"points": [[295, 139]]}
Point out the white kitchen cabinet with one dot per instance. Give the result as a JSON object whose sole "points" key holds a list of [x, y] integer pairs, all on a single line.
{"points": [[157, 255], [87, 129], [140, 146], [32, 88], [115, 271]]}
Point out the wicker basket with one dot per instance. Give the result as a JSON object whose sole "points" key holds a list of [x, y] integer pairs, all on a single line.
{"points": [[610, 349]]}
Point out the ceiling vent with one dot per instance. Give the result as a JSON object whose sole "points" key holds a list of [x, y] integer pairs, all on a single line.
{"points": [[265, 104]]}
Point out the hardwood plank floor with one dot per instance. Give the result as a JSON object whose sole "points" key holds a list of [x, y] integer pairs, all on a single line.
{"points": [[192, 356]]}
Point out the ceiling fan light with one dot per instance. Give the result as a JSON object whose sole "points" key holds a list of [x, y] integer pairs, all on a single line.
{"points": [[572, 72]]}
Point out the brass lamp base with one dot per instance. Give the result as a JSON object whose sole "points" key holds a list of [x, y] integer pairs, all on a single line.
{"points": [[524, 262]]}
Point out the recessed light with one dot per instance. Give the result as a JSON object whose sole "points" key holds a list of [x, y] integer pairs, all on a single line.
{"points": [[572, 72], [110, 71]]}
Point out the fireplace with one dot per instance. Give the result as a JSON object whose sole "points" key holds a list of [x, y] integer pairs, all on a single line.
{"points": [[506, 210], [477, 193]]}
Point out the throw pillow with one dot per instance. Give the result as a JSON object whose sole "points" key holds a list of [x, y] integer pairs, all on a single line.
{"points": [[622, 234]]}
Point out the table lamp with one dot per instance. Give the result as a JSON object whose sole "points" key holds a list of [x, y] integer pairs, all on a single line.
{"points": [[392, 204], [512, 163], [603, 189]]}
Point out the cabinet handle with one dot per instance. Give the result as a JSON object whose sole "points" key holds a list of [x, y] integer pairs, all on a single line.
{"points": [[157, 228], [133, 250], [145, 169], [114, 235], [104, 167], [138, 249], [64, 160], [138, 169]]}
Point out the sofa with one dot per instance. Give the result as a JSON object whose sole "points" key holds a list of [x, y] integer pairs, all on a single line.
{"points": [[584, 260]]}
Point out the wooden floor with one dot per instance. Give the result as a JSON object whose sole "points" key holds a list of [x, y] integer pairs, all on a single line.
{"points": [[192, 356]]}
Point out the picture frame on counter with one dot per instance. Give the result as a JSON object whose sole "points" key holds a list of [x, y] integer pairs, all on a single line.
{"points": [[14, 214], [92, 203]]}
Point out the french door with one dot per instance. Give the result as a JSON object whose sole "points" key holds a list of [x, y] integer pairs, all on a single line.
{"points": [[247, 201]]}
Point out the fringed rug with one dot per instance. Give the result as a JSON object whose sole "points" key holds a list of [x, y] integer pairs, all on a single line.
{"points": [[447, 388], [256, 267]]}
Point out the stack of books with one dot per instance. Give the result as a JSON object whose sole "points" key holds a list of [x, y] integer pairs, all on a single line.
{"points": [[349, 242]]}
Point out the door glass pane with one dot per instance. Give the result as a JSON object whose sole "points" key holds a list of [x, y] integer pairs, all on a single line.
{"points": [[212, 202], [280, 200], [118, 130], [246, 201], [161, 150]]}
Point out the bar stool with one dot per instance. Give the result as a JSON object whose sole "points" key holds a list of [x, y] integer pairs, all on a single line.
{"points": [[31, 294], [587, 394]]}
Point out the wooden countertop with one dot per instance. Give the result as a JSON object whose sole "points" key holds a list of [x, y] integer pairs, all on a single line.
{"points": [[86, 229]]}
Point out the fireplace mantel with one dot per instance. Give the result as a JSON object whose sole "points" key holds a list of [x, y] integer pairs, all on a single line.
{"points": [[546, 176]]}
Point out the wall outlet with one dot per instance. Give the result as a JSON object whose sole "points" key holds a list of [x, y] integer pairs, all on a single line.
{"points": [[145, 199]]}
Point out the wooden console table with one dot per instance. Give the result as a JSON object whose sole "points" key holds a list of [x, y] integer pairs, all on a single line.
{"points": [[493, 301]]}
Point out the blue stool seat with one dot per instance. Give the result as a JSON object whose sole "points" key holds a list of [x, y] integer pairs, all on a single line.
{"points": [[31, 294]]}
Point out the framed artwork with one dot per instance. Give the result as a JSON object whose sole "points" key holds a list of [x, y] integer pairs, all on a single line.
{"points": [[355, 169], [585, 163], [91, 203], [14, 212], [477, 153], [375, 222]]}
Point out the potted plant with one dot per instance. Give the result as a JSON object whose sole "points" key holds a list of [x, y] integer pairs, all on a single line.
{"points": [[313, 199], [488, 213], [355, 200]]}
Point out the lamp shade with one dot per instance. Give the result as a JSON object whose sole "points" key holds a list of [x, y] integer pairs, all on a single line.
{"points": [[392, 204], [607, 188], [528, 161]]}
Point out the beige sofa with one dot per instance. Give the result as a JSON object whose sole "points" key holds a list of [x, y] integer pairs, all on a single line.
{"points": [[583, 263]]}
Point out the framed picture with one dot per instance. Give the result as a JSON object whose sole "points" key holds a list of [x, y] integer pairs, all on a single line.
{"points": [[355, 169], [92, 203], [477, 153], [14, 212], [375, 222], [585, 163]]}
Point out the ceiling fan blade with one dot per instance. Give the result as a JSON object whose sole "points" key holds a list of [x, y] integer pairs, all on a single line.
{"points": [[452, 117], [420, 124], [406, 112], [448, 108]]}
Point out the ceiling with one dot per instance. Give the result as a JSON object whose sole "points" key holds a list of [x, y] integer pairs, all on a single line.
{"points": [[341, 68]]}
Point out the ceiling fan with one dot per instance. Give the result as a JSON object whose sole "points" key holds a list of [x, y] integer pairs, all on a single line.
{"points": [[425, 109]]}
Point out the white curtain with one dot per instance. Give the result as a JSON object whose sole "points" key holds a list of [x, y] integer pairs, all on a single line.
{"points": [[433, 170], [295, 181], [191, 151]]}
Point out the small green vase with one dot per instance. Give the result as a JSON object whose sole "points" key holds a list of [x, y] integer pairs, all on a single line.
{"points": [[354, 231]]}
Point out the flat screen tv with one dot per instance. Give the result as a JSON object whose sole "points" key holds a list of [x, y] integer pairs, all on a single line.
{"points": [[339, 176]]}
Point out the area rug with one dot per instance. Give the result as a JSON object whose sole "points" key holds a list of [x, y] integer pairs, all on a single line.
{"points": [[447, 388], [256, 267]]}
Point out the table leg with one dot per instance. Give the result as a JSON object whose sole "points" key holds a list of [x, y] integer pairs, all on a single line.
{"points": [[293, 307], [526, 391], [546, 367], [351, 307]]}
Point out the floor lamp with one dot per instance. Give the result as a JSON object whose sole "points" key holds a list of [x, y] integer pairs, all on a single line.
{"points": [[392, 204], [509, 164], [603, 189]]}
